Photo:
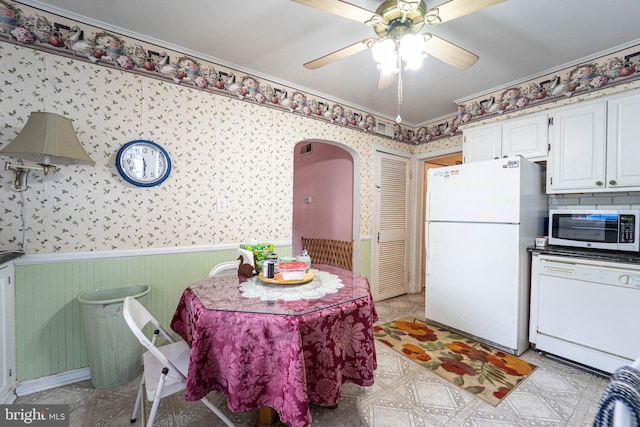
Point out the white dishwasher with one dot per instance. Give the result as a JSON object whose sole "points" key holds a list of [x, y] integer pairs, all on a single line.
{"points": [[584, 310]]}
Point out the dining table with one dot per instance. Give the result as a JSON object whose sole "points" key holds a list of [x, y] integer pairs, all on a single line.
{"points": [[277, 347]]}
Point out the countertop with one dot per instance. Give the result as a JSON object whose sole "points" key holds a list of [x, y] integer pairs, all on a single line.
{"points": [[594, 254], [6, 256]]}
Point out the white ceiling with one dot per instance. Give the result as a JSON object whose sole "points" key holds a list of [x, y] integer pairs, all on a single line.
{"points": [[272, 39]]}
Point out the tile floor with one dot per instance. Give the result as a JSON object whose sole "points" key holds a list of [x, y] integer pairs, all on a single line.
{"points": [[404, 394]]}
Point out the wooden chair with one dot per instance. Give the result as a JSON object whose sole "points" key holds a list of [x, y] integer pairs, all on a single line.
{"points": [[338, 253]]}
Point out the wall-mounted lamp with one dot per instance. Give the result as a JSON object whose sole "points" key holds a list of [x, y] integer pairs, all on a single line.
{"points": [[47, 139]]}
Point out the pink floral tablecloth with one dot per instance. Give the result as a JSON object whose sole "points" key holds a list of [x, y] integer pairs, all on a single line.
{"points": [[281, 354]]}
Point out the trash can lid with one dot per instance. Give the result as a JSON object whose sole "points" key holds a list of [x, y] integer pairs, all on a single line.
{"points": [[115, 295]]}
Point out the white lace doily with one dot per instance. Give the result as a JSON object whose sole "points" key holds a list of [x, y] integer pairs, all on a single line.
{"points": [[322, 284]]}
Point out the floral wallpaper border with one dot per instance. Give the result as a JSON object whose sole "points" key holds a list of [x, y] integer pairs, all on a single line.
{"points": [[56, 34], [606, 72], [59, 35]]}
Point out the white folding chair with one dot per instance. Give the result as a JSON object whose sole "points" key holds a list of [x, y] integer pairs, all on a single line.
{"points": [[165, 367], [225, 268]]}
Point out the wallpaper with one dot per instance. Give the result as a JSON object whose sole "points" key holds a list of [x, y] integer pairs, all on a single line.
{"points": [[219, 147]]}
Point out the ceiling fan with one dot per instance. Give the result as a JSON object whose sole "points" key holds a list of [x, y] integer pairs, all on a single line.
{"points": [[394, 19]]}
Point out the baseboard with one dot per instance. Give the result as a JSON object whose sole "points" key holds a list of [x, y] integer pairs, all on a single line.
{"points": [[8, 396], [46, 383]]}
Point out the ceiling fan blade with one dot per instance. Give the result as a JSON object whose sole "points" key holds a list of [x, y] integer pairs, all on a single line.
{"points": [[340, 54], [455, 9], [386, 80], [448, 52], [341, 8]]}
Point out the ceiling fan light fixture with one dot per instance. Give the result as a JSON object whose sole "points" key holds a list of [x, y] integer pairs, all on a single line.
{"points": [[414, 63], [384, 51], [412, 50], [388, 68], [392, 21]]}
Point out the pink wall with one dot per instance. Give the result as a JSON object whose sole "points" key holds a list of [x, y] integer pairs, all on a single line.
{"points": [[326, 175]]}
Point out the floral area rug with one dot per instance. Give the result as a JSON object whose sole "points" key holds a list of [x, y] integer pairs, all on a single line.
{"points": [[488, 373]]}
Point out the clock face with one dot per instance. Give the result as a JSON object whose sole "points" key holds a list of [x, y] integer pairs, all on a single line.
{"points": [[143, 163]]}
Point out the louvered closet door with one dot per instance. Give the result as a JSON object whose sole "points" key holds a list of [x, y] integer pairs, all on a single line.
{"points": [[391, 237]]}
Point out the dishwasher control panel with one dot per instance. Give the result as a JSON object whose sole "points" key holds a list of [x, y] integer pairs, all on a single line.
{"points": [[596, 273]]}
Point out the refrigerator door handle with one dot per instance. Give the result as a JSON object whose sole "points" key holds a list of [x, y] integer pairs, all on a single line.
{"points": [[428, 247], [428, 202], [426, 240]]}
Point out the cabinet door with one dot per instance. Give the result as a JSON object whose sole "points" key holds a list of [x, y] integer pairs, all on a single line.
{"points": [[7, 331], [525, 136], [482, 143], [578, 138], [623, 147]]}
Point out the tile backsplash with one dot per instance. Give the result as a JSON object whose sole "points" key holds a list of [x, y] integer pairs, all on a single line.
{"points": [[594, 200]]}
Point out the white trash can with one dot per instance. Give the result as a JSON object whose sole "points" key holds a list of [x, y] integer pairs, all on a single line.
{"points": [[115, 355]]}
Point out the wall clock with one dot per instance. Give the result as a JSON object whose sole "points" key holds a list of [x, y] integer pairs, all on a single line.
{"points": [[143, 163]]}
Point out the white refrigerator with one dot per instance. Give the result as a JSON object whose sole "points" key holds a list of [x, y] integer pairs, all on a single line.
{"points": [[481, 218]]}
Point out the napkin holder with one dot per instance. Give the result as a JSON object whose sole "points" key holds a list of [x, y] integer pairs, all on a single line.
{"points": [[248, 264]]}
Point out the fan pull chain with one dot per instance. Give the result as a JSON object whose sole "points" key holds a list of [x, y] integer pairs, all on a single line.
{"points": [[399, 119]]}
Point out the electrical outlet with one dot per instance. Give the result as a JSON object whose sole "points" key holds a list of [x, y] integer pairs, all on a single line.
{"points": [[221, 205]]}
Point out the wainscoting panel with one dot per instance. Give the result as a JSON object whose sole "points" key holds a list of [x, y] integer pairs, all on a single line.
{"points": [[50, 336]]}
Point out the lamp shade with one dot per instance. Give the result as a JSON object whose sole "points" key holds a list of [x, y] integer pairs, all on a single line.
{"points": [[48, 139]]}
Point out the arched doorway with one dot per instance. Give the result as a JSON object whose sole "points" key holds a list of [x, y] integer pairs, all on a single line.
{"points": [[326, 176]]}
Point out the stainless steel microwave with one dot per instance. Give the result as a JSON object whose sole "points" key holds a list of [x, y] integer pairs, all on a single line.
{"points": [[611, 229]]}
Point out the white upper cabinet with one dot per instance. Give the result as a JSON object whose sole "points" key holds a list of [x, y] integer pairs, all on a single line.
{"points": [[524, 136], [623, 142], [594, 146], [577, 157], [482, 143]]}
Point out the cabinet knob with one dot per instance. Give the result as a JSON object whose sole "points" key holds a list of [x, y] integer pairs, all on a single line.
{"points": [[613, 182], [599, 183]]}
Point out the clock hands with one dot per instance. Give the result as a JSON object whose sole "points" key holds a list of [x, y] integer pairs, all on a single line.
{"points": [[143, 163]]}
